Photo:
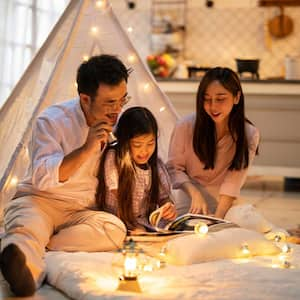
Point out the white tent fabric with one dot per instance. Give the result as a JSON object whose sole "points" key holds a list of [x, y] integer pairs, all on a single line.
{"points": [[87, 27]]}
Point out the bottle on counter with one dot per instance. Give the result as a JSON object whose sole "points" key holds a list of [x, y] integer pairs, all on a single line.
{"points": [[292, 67]]}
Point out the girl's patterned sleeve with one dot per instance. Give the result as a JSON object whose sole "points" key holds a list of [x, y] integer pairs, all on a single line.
{"points": [[165, 184], [111, 171]]}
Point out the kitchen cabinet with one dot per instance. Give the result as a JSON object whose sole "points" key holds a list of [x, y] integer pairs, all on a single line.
{"points": [[273, 106]]}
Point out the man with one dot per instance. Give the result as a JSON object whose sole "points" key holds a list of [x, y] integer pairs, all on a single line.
{"points": [[54, 206]]}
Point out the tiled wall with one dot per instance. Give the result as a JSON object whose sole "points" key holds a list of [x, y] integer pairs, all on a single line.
{"points": [[219, 35]]}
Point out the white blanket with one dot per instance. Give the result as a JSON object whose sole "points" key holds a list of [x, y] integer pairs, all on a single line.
{"points": [[91, 275]]}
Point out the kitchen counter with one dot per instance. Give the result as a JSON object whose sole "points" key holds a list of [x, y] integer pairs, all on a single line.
{"points": [[251, 86], [273, 105]]}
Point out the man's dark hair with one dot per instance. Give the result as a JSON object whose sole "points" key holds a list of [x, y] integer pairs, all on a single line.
{"points": [[106, 69]]}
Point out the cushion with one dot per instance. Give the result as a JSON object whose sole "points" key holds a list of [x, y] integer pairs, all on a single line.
{"points": [[226, 243], [247, 216]]}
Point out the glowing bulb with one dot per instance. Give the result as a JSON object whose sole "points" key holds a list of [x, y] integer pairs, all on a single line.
{"points": [[129, 29], [201, 228], [85, 57], [286, 248], [76, 85], [245, 250], [14, 181], [281, 261], [146, 87], [131, 58], [94, 30], [130, 266], [162, 109], [100, 3]]}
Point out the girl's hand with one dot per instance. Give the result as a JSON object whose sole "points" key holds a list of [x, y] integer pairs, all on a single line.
{"points": [[198, 204], [169, 211]]}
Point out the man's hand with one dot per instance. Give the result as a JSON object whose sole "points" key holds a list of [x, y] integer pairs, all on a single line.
{"points": [[97, 137], [96, 140]]}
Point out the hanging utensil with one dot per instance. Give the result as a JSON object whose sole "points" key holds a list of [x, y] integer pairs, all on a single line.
{"points": [[281, 25]]}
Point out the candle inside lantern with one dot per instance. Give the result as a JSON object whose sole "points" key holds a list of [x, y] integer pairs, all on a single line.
{"points": [[128, 281], [130, 266]]}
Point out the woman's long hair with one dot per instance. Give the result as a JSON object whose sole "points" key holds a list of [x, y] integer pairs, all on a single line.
{"points": [[204, 138], [134, 122]]}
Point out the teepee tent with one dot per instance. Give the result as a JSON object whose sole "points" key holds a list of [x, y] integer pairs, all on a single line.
{"points": [[86, 28]]}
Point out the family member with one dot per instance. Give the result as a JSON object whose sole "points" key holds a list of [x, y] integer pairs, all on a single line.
{"points": [[211, 150], [133, 181], [54, 206]]}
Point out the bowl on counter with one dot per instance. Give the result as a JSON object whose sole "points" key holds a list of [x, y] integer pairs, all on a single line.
{"points": [[249, 66]]}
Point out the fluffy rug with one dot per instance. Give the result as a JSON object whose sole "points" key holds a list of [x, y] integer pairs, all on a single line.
{"points": [[95, 275]]}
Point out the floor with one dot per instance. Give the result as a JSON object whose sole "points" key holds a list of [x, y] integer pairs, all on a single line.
{"points": [[265, 193]]}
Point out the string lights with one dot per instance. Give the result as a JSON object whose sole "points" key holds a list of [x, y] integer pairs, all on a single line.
{"points": [[201, 229]]}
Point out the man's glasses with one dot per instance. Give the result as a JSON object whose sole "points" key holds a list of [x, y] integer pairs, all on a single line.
{"points": [[121, 103]]}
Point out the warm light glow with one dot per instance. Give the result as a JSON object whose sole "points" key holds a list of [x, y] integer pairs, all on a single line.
{"points": [[281, 261], [131, 58], [14, 181], [106, 283], [100, 4], [146, 87], [148, 268], [245, 250], [162, 109], [129, 29], [276, 236], [286, 248], [201, 228], [85, 57], [94, 30], [130, 265], [76, 85]]}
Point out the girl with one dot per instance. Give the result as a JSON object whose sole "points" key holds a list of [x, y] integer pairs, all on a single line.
{"points": [[133, 181], [210, 151]]}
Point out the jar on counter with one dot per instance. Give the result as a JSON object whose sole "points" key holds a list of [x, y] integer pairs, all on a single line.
{"points": [[292, 67]]}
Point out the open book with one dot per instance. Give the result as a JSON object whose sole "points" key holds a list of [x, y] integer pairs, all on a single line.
{"points": [[187, 222]]}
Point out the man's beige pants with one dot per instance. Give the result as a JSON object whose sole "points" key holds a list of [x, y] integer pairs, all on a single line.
{"points": [[35, 223]]}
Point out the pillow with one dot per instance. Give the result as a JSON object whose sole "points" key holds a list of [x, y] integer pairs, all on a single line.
{"points": [[247, 216], [226, 243]]}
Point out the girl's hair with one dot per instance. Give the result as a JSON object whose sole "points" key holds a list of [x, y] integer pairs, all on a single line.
{"points": [[134, 122], [204, 138]]}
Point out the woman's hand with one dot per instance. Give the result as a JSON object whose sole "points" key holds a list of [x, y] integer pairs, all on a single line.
{"points": [[169, 211], [198, 204]]}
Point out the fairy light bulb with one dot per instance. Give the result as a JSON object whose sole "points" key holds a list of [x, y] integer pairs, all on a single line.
{"points": [[245, 250], [85, 57], [131, 58], [100, 4], [162, 109], [14, 181], [277, 238], [146, 87], [129, 29], [201, 228], [286, 248], [94, 30], [76, 85]]}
